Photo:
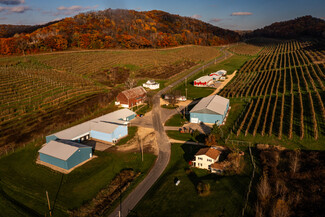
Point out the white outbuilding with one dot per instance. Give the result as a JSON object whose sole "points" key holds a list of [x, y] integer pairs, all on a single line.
{"points": [[151, 84]]}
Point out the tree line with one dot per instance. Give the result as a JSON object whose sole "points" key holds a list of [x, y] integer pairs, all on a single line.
{"points": [[118, 29]]}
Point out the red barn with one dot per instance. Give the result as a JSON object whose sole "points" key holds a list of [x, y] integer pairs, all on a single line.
{"points": [[131, 97]]}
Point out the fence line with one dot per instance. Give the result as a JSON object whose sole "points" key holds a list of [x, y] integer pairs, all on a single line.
{"points": [[251, 181]]}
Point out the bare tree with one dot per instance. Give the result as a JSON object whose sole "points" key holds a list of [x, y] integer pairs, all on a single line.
{"points": [[130, 83], [280, 209], [280, 187], [259, 210], [22, 45], [264, 189], [295, 161]]}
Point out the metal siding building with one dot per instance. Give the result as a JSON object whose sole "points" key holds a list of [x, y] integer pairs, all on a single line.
{"points": [[212, 109], [63, 150], [64, 154], [113, 123], [79, 156], [53, 160]]}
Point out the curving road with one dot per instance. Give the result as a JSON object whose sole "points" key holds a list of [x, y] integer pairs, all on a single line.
{"points": [[164, 147]]}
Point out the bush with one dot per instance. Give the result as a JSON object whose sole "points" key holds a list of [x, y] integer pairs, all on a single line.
{"points": [[203, 189]]}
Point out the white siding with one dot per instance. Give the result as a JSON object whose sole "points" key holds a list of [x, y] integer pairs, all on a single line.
{"points": [[204, 162]]}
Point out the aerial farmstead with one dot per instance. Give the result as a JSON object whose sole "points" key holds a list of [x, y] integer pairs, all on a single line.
{"points": [[211, 79], [212, 110], [151, 84], [64, 149], [131, 97]]}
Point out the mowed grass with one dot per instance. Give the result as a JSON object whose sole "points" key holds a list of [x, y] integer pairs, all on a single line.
{"points": [[25, 182], [230, 65], [185, 136], [165, 199], [176, 121]]}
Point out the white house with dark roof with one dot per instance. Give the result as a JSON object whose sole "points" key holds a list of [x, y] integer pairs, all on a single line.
{"points": [[212, 109], [205, 157]]}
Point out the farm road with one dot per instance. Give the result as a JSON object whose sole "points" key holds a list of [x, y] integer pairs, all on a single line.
{"points": [[164, 146]]}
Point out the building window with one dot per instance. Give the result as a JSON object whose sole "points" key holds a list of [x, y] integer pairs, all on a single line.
{"points": [[200, 158], [209, 160]]}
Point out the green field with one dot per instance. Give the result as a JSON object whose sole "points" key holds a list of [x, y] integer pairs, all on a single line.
{"points": [[230, 65], [24, 182], [165, 199], [176, 120]]}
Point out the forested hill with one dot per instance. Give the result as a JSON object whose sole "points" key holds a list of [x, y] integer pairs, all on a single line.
{"points": [[299, 27], [10, 30], [118, 29]]}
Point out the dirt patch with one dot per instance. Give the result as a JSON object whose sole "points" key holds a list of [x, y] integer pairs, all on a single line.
{"points": [[224, 83], [146, 136], [165, 72], [112, 76], [180, 103], [105, 198]]}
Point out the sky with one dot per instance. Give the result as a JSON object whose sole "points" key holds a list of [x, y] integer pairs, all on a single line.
{"points": [[228, 14]]}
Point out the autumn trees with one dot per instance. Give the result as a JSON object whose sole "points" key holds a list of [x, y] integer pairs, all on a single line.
{"points": [[118, 28], [290, 183]]}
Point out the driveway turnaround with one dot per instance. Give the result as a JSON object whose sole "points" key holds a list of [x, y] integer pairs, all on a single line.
{"points": [[164, 149]]}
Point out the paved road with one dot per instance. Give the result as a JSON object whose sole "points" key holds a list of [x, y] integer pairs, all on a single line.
{"points": [[164, 148]]}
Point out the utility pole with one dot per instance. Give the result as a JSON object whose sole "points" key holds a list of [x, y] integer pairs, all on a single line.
{"points": [[48, 202], [141, 148], [185, 106]]}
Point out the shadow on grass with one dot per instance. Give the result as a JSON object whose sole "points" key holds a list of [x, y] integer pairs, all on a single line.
{"points": [[18, 204], [57, 193]]}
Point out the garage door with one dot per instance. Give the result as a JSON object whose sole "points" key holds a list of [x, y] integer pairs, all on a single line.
{"points": [[195, 120]]}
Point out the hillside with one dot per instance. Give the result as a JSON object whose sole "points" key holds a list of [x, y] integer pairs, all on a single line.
{"points": [[118, 28], [7, 31], [299, 27]]}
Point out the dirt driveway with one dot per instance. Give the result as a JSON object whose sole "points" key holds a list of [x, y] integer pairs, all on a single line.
{"points": [[144, 137]]}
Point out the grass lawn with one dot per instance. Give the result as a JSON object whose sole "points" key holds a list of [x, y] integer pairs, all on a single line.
{"points": [[230, 65], [165, 199], [144, 109], [131, 133], [184, 136], [25, 182], [176, 120]]}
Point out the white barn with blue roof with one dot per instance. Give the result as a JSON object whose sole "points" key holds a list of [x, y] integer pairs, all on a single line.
{"points": [[212, 109]]}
